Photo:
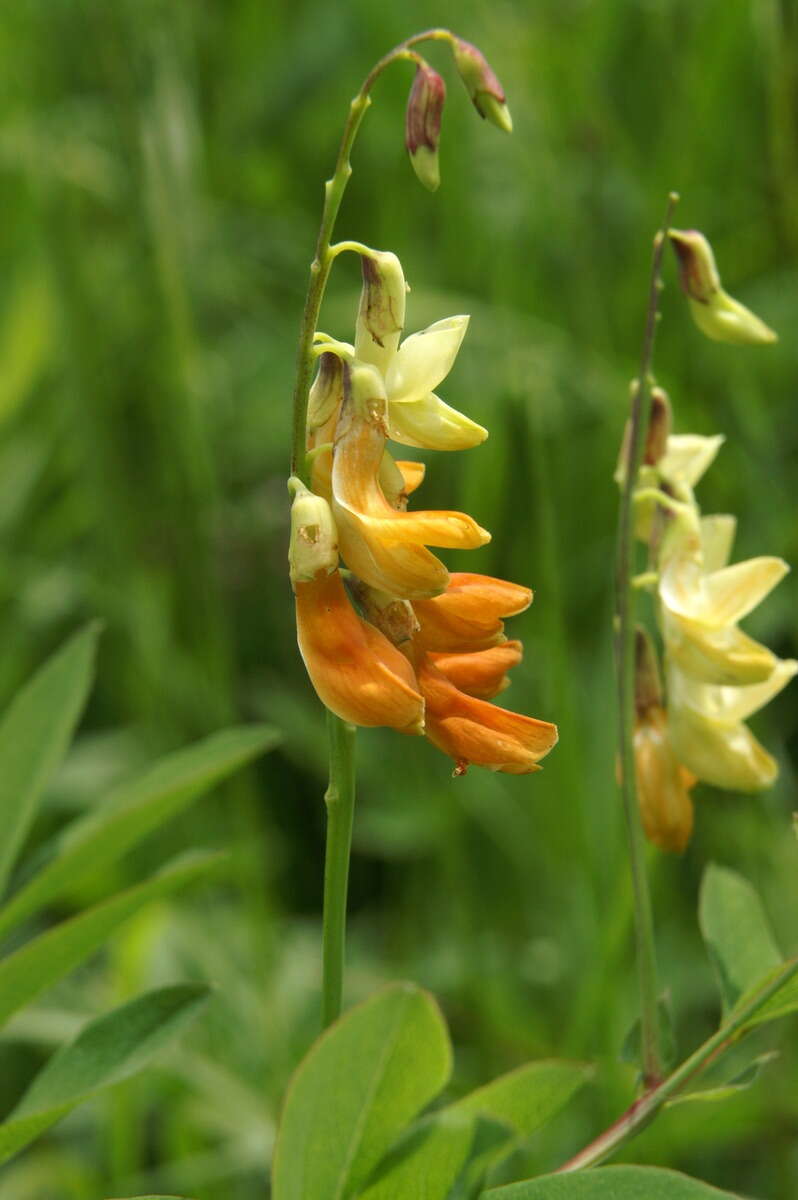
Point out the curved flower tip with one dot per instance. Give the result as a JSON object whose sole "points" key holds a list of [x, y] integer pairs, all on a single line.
{"points": [[717, 314], [487, 94], [472, 731], [468, 616], [482, 673], [663, 785], [355, 670]]}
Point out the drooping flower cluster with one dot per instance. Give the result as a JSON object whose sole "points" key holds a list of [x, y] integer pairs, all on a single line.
{"points": [[399, 641], [716, 676]]}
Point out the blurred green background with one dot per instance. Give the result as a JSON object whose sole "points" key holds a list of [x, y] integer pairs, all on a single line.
{"points": [[161, 168]]}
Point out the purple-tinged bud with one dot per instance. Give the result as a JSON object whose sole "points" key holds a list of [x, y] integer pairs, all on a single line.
{"points": [[483, 87], [423, 125]]}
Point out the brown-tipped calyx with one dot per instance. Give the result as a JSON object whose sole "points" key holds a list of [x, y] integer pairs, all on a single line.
{"points": [[648, 688], [423, 125]]}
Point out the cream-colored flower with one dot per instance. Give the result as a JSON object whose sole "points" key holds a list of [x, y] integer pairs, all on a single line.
{"points": [[412, 370], [708, 731], [703, 599]]}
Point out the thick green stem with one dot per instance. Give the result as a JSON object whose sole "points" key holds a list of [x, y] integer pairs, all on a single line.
{"points": [[645, 1109], [340, 801], [625, 627]]}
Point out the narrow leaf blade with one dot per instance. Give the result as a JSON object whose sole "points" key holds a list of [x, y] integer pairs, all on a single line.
{"points": [[53, 954], [611, 1183], [35, 732], [135, 810], [108, 1050], [357, 1088]]}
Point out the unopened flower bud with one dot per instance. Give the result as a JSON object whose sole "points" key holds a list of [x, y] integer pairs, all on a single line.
{"points": [[423, 125], [326, 395], [382, 309], [648, 688], [659, 427], [483, 87], [717, 314], [313, 550]]}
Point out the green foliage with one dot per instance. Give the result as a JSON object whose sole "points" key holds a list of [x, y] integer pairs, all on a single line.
{"points": [[737, 933], [611, 1183], [349, 1107], [133, 811], [162, 169], [358, 1087], [34, 735], [109, 1049], [42, 962]]}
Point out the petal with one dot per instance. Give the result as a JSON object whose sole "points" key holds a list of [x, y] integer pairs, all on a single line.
{"points": [[407, 571], [717, 538], [412, 473], [424, 359], [717, 656], [727, 756], [733, 592], [530, 738], [481, 673], [732, 704], [687, 457], [724, 319], [433, 425], [355, 670], [467, 741], [467, 616], [381, 315]]}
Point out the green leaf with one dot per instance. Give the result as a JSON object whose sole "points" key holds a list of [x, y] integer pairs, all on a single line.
{"points": [[632, 1048], [106, 1051], [529, 1096], [35, 732], [47, 958], [611, 1183], [134, 810], [429, 1160], [359, 1085], [781, 1003], [739, 1082], [736, 931]]}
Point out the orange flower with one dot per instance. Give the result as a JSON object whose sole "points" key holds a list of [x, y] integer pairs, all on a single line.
{"points": [[472, 731], [383, 546], [468, 615], [355, 670], [663, 784], [481, 673]]}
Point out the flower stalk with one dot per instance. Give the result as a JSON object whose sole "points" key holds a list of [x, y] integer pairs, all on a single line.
{"points": [[652, 1058], [340, 796]]}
